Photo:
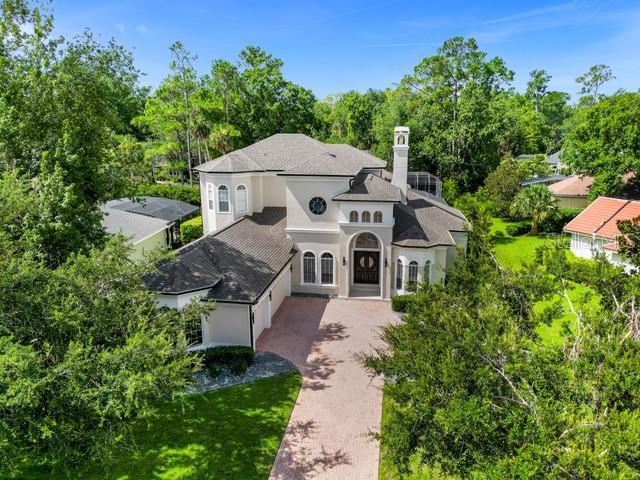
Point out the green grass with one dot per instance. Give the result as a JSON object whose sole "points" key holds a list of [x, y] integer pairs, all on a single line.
{"points": [[233, 433], [514, 252]]}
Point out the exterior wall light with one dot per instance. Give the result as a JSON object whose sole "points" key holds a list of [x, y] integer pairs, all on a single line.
{"points": [[344, 261], [386, 263]]}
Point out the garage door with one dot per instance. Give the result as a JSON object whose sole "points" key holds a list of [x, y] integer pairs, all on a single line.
{"points": [[280, 290]]}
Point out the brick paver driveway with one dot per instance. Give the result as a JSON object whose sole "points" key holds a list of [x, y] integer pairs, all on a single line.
{"points": [[338, 405]]}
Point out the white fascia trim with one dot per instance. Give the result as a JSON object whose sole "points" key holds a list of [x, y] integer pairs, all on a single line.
{"points": [[312, 230]]}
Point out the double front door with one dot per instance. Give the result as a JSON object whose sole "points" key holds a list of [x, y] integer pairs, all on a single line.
{"points": [[366, 267]]}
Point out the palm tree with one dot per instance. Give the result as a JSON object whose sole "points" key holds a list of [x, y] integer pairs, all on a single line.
{"points": [[536, 202]]}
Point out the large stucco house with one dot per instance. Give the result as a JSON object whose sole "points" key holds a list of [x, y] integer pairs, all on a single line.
{"points": [[290, 214]]}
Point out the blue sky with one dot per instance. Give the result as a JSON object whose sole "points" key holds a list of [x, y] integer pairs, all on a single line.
{"points": [[332, 46]]}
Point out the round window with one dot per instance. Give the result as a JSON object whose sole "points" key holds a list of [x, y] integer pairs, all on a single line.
{"points": [[317, 205]]}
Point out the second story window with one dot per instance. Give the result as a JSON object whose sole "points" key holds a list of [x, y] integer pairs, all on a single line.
{"points": [[353, 216], [399, 274], [223, 199], [366, 217], [377, 217], [241, 198]]}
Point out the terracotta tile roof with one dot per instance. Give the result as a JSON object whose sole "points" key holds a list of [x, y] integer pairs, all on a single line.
{"points": [[601, 216], [575, 186], [613, 246]]}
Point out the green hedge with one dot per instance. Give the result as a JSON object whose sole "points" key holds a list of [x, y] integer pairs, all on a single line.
{"points": [[518, 228], [400, 303], [558, 221], [237, 358], [184, 193], [191, 230]]}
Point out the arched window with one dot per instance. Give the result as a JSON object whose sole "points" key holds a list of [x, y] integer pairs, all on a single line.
{"points": [[412, 274], [210, 198], [241, 198], [367, 240], [308, 268], [401, 140], [427, 272], [377, 217], [366, 217], [353, 216], [326, 269], [223, 199], [399, 274]]}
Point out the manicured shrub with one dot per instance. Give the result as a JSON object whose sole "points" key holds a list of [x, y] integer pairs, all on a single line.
{"points": [[191, 230], [556, 223], [400, 303], [237, 358], [498, 233], [518, 228], [184, 193]]}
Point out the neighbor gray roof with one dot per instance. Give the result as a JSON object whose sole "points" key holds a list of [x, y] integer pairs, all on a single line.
{"points": [[156, 207], [236, 264], [294, 154], [136, 226], [543, 180], [425, 221], [368, 187]]}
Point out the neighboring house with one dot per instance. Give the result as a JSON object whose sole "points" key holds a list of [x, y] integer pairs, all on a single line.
{"points": [[290, 214], [149, 222], [572, 192], [549, 180], [595, 229], [553, 161]]}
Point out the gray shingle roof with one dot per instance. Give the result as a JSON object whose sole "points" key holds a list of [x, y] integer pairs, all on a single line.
{"points": [[133, 225], [425, 221], [368, 187], [155, 207], [294, 154], [237, 263]]}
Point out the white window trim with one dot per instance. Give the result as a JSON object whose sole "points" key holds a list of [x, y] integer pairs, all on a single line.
{"points": [[333, 266], [228, 198], [302, 282], [246, 198], [413, 264]]}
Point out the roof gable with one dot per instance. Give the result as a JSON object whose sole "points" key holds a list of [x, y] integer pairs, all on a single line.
{"points": [[601, 216]]}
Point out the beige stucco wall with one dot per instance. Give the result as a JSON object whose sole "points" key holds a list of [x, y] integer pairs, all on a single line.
{"points": [[436, 255], [300, 190], [212, 220], [572, 202], [228, 324], [318, 243], [156, 241], [273, 188]]}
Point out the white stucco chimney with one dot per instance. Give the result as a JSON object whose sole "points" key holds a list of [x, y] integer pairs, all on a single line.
{"points": [[400, 158]]}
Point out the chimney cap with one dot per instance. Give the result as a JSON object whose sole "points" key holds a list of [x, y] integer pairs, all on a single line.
{"points": [[404, 130]]}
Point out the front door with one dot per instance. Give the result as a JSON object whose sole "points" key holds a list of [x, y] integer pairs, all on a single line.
{"points": [[365, 267]]}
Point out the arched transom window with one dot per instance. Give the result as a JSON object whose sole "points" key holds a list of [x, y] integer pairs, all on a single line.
{"points": [[366, 217], [412, 274], [367, 240], [241, 198], [377, 217], [326, 269], [223, 199], [399, 274], [353, 216], [309, 267]]}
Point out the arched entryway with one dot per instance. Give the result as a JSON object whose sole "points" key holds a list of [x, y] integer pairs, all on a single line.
{"points": [[367, 265]]}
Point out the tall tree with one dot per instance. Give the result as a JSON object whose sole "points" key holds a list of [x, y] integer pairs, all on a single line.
{"points": [[605, 142], [182, 66], [537, 87], [591, 82]]}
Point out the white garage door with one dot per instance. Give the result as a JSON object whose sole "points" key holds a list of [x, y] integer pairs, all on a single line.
{"points": [[279, 291]]}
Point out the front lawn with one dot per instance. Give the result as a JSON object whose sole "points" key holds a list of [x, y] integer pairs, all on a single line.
{"points": [[231, 433]]}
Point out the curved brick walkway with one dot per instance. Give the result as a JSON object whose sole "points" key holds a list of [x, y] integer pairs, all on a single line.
{"points": [[338, 405]]}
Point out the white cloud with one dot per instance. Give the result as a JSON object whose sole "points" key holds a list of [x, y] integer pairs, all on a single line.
{"points": [[119, 27], [142, 28]]}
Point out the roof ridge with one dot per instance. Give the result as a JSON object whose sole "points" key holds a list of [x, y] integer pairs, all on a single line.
{"points": [[604, 222]]}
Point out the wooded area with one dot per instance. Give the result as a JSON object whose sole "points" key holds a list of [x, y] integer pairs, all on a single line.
{"points": [[78, 363]]}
